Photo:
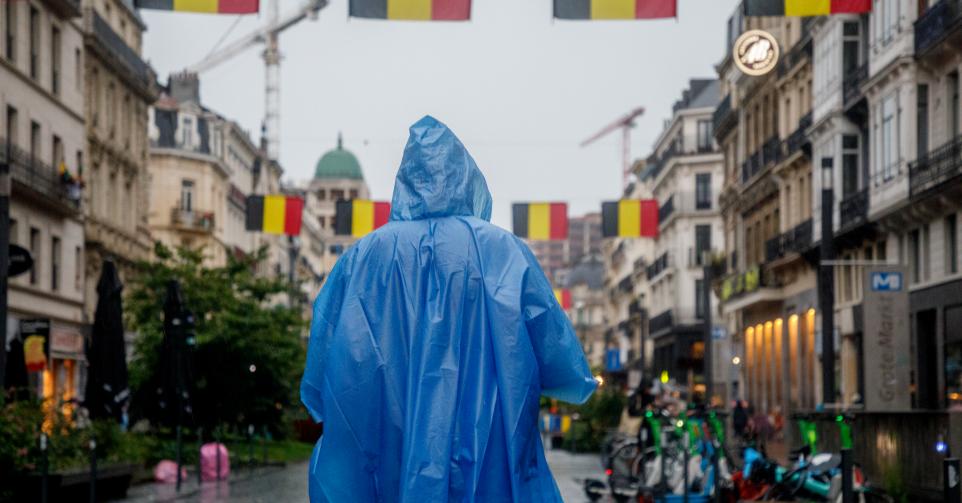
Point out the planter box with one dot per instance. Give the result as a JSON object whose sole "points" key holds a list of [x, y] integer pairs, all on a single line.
{"points": [[74, 485]]}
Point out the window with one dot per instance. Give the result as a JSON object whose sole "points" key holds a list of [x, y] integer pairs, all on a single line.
{"points": [[80, 162], [10, 28], [34, 42], [337, 195], [922, 121], [57, 154], [703, 191], [702, 242], [704, 136], [188, 127], [849, 165], [914, 253], [889, 140], [187, 195], [954, 120], [12, 125], [111, 104], [77, 69], [78, 272], [850, 48], [881, 250], [321, 194], [886, 20], [34, 251], [55, 60], [34, 142], [125, 121], [951, 244], [700, 298], [55, 263], [321, 221], [14, 231], [924, 253], [953, 357], [353, 193]]}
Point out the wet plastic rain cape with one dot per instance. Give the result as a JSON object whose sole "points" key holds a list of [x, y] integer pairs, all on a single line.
{"points": [[431, 343]]}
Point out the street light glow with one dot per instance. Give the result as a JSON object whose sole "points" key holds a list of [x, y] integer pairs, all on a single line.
{"points": [[253, 368], [736, 361], [601, 380]]}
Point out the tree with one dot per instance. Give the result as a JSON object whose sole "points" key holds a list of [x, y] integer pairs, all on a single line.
{"points": [[248, 356]]}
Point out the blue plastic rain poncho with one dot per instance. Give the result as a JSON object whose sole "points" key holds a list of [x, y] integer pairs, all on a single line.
{"points": [[431, 343]]}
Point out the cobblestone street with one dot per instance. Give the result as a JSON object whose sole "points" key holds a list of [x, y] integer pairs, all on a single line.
{"points": [[289, 484]]}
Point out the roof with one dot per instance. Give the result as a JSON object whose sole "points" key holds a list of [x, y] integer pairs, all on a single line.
{"points": [[338, 164], [590, 271], [701, 93]]}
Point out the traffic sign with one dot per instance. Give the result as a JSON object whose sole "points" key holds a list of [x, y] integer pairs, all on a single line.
{"points": [[20, 261]]}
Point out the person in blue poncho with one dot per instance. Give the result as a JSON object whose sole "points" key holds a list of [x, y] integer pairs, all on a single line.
{"points": [[431, 343]]}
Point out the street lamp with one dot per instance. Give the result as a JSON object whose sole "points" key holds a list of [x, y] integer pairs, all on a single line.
{"points": [[826, 283]]}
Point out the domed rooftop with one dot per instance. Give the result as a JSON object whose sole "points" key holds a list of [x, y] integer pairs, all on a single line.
{"points": [[338, 164]]}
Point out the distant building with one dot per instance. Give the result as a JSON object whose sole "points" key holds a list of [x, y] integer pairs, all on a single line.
{"points": [[556, 257], [585, 280]]}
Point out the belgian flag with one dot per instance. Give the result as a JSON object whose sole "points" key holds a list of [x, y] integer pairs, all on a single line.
{"points": [[275, 214], [563, 296], [540, 221], [806, 7], [412, 10], [358, 217], [205, 6], [630, 218], [615, 9]]}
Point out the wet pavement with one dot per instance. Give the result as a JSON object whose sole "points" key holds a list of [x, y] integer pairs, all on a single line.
{"points": [[289, 483]]}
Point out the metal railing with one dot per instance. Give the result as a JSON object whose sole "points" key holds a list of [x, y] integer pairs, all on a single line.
{"points": [[769, 153], [119, 50], [657, 267], [196, 220], [852, 85], [853, 209], [65, 8], [798, 139], [39, 177], [724, 118], [745, 282], [800, 51], [935, 24], [936, 167], [796, 240], [661, 322], [666, 209]]}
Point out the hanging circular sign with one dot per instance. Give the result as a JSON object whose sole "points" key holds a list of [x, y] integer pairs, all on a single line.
{"points": [[756, 52]]}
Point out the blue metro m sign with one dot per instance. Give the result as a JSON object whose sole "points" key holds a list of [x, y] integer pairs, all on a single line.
{"points": [[886, 281]]}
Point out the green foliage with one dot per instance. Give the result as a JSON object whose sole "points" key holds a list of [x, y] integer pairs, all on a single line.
{"points": [[238, 324], [596, 417]]}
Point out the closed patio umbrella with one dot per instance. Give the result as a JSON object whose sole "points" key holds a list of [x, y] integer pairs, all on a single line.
{"points": [[107, 386]]}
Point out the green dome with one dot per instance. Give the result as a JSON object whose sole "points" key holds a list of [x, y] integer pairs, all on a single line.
{"points": [[338, 163]]}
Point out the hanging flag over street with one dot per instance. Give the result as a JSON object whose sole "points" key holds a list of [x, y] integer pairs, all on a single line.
{"points": [[275, 214], [203, 6], [630, 218], [615, 9], [540, 221], [563, 295], [359, 217], [412, 10], [806, 7]]}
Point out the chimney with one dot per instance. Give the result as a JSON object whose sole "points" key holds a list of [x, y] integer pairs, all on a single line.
{"points": [[184, 87]]}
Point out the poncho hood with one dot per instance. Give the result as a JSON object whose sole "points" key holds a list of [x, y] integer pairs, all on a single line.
{"points": [[438, 177]]}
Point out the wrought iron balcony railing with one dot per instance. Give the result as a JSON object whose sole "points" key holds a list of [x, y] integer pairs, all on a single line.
{"points": [[853, 209], [65, 8], [746, 282], [114, 47], [40, 179], [194, 220], [661, 322], [852, 86], [936, 24], [724, 118], [936, 168], [666, 209], [657, 267], [796, 240]]}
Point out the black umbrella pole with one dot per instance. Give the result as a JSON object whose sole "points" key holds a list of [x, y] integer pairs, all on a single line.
{"points": [[179, 452]]}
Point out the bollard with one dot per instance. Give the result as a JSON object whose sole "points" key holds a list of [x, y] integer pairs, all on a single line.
{"points": [[950, 480], [179, 457], [200, 456], [684, 449], [250, 448], [44, 468], [93, 470], [848, 494]]}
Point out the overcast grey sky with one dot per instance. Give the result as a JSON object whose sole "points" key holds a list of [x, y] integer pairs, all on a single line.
{"points": [[520, 89]]}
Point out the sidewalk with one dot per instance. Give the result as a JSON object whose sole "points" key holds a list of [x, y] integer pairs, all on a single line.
{"points": [[570, 470]]}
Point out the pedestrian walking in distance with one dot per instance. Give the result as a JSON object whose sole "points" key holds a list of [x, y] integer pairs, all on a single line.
{"points": [[431, 343]]}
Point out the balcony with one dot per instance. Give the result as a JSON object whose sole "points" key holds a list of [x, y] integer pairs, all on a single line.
{"points": [[769, 153], [64, 8], [198, 221], [746, 282], [724, 119], [39, 181], [852, 86], [660, 323], [854, 209], [796, 240], [936, 168], [801, 51], [798, 139], [657, 267], [666, 209], [626, 285], [936, 25], [112, 47]]}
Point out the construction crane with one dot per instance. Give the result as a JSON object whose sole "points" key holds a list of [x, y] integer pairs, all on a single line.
{"points": [[267, 35], [625, 123]]}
